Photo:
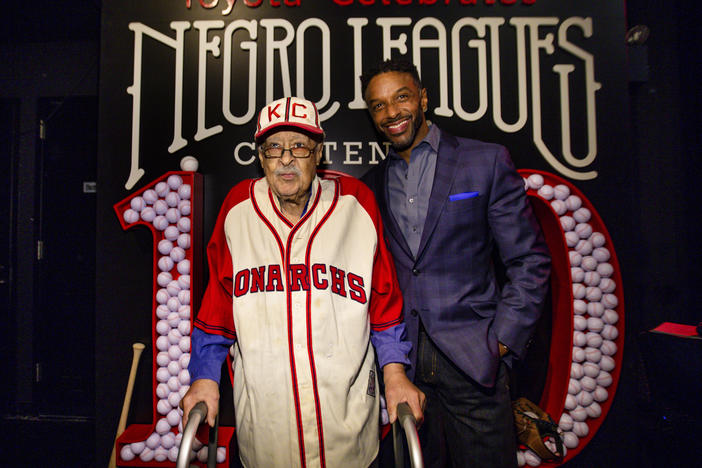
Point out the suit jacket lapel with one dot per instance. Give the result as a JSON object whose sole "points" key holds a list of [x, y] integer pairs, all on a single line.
{"points": [[445, 172], [384, 205]]}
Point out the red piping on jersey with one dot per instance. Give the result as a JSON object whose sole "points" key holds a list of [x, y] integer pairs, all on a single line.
{"points": [[277, 211], [310, 351], [291, 351]]}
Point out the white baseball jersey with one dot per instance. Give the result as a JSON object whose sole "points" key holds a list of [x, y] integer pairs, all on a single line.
{"points": [[301, 299]]}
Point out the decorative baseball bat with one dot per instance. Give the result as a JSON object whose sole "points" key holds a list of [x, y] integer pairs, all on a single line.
{"points": [[137, 348]]}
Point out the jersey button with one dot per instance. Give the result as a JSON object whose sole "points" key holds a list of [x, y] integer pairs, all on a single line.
{"points": [[415, 271]]}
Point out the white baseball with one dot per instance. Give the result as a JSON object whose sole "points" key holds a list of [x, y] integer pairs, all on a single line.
{"points": [[573, 202], [221, 454], [189, 163], [173, 384], [584, 230], [160, 223], [150, 196], [536, 181], [593, 355], [146, 455], [598, 239], [607, 285], [605, 270], [165, 246], [595, 309], [608, 348], [173, 453], [594, 410], [173, 304], [137, 447], [153, 441], [582, 215], [168, 440], [183, 390], [173, 417], [601, 254], [184, 377], [174, 352], [162, 327], [184, 281], [177, 254], [160, 207], [174, 336], [184, 359], [571, 238], [202, 454], [162, 390], [578, 290], [165, 263], [531, 458], [559, 207], [126, 453], [588, 383], [184, 266], [610, 301], [607, 362], [172, 215], [173, 287], [610, 317], [592, 278], [184, 297], [610, 332], [130, 216], [578, 354], [580, 429], [148, 214], [172, 200], [583, 247], [594, 340], [567, 223], [574, 387], [162, 426], [579, 307], [173, 367], [584, 399], [579, 323], [575, 258], [163, 407], [185, 344], [184, 207], [579, 339], [162, 374], [570, 402], [184, 224], [588, 263], [162, 343], [545, 192], [561, 191], [161, 189], [184, 327], [184, 312], [162, 311], [600, 394], [570, 440], [566, 422], [184, 241], [591, 370], [576, 370], [162, 294], [604, 379], [174, 181], [593, 293], [577, 274], [185, 192]]}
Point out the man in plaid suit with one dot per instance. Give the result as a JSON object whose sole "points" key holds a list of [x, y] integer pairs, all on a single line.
{"points": [[447, 203]]}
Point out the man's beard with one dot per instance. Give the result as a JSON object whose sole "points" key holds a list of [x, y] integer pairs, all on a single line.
{"points": [[399, 146]]}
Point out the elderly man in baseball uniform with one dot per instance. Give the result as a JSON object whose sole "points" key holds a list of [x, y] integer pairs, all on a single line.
{"points": [[303, 290]]}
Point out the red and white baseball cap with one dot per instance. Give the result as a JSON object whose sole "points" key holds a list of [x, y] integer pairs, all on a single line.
{"points": [[288, 112]]}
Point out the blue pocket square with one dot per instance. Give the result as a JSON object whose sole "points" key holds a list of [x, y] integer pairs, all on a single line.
{"points": [[463, 196]]}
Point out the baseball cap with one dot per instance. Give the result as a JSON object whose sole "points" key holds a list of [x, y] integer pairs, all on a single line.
{"points": [[288, 112]]}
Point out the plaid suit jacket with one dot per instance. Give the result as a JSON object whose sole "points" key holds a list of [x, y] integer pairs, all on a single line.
{"points": [[477, 204]]}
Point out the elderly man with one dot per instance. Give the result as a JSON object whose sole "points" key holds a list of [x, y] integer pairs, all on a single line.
{"points": [[300, 284]]}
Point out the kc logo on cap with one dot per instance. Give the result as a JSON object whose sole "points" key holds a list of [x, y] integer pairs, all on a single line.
{"points": [[288, 112]]}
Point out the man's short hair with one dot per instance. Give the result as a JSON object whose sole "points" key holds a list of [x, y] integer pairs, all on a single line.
{"points": [[392, 65]]}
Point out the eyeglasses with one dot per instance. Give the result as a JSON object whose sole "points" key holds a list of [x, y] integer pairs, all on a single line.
{"points": [[298, 151]]}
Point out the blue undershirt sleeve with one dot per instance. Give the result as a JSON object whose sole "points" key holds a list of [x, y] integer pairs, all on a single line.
{"points": [[391, 345], [207, 353]]}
